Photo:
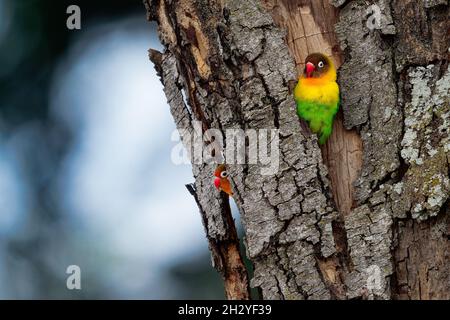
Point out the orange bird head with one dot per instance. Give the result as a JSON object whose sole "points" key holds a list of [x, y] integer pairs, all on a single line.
{"points": [[221, 181]]}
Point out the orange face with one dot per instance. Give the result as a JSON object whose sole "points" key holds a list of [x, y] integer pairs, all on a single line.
{"points": [[221, 181]]}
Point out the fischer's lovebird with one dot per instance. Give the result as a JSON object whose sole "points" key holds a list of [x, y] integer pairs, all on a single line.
{"points": [[317, 95], [221, 181]]}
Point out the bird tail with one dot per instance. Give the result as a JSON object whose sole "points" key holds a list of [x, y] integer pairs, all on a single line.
{"points": [[325, 134]]}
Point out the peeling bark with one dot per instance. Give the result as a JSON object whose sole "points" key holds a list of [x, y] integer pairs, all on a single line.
{"points": [[357, 218]]}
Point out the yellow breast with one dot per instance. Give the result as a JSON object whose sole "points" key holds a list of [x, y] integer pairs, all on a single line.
{"points": [[326, 92]]}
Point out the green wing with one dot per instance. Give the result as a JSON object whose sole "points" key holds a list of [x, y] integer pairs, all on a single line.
{"points": [[319, 117]]}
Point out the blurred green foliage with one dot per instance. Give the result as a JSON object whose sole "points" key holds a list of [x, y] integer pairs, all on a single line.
{"points": [[33, 41]]}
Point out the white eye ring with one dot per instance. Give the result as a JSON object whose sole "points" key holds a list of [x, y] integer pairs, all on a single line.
{"points": [[320, 64], [223, 174]]}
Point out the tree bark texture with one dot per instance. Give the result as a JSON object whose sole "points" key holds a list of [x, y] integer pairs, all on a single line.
{"points": [[365, 216]]}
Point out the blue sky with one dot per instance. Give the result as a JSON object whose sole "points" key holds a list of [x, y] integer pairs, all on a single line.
{"points": [[129, 215], [118, 179]]}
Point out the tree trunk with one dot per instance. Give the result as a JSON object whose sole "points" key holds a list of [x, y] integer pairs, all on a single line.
{"points": [[367, 215]]}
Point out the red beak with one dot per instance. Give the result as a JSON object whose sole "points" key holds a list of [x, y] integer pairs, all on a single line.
{"points": [[217, 182], [310, 67]]}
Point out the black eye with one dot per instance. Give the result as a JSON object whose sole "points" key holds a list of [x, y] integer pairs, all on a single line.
{"points": [[223, 174], [320, 64]]}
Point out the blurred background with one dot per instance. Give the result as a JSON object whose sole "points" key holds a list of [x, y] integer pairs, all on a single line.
{"points": [[85, 171]]}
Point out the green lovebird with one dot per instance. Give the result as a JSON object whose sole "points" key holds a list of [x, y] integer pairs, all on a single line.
{"points": [[317, 95]]}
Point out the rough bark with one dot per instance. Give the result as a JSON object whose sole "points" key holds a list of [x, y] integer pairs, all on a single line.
{"points": [[374, 200], [214, 207]]}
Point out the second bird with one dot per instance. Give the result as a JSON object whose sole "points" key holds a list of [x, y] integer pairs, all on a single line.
{"points": [[317, 95], [221, 181]]}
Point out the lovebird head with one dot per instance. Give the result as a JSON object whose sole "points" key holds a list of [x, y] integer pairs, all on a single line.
{"points": [[221, 181], [319, 68]]}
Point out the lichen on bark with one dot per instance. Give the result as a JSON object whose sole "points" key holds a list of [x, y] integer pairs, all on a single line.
{"points": [[401, 109]]}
